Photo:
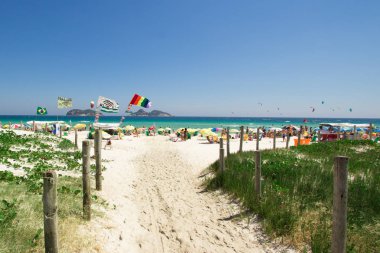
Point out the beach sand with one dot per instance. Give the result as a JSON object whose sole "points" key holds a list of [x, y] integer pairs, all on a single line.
{"points": [[156, 201]]}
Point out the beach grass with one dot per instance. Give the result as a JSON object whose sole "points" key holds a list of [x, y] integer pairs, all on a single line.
{"points": [[297, 190], [21, 215]]}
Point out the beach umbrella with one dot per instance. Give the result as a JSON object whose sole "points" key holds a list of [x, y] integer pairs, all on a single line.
{"points": [[205, 130], [275, 128], [105, 135], [254, 130], [216, 129], [80, 126], [129, 128]]}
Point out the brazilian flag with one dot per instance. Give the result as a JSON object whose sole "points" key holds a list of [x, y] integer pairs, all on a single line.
{"points": [[41, 111]]}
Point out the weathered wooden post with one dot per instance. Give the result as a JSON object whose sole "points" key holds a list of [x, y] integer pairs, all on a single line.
{"points": [[228, 141], [299, 138], [221, 156], [338, 137], [258, 139], [355, 133], [60, 132], [9, 125], [34, 126], [98, 157], [86, 180], [50, 207], [274, 139], [370, 132], [46, 127], [258, 174], [340, 205], [287, 139], [76, 138], [319, 135], [241, 138]]}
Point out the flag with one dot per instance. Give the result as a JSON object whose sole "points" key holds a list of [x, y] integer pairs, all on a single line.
{"points": [[139, 101], [41, 110], [108, 105], [64, 102]]}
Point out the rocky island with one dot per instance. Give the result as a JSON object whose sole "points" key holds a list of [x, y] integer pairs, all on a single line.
{"points": [[154, 113], [78, 112]]}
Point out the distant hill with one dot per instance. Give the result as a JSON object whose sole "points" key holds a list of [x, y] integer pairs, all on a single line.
{"points": [[78, 112], [154, 113]]}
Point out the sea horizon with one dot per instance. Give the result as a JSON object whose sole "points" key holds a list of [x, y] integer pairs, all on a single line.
{"points": [[191, 121]]}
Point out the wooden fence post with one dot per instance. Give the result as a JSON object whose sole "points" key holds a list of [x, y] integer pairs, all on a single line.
{"points": [[86, 180], [299, 138], [46, 127], [338, 137], [355, 133], [9, 125], [319, 135], [98, 157], [258, 174], [34, 126], [258, 139], [370, 132], [60, 132], [221, 156], [50, 208], [76, 138], [228, 141], [340, 205], [274, 139], [287, 139], [241, 138]]}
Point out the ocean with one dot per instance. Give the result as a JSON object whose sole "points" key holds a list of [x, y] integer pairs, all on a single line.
{"points": [[189, 122]]}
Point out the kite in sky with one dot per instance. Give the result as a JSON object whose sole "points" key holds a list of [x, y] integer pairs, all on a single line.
{"points": [[312, 109]]}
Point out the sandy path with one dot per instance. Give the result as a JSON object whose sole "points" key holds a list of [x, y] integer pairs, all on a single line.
{"points": [[157, 203], [179, 217]]}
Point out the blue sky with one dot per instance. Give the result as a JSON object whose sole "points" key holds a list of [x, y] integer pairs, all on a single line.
{"points": [[198, 57]]}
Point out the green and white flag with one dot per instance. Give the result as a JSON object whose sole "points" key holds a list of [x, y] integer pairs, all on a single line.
{"points": [[64, 102], [108, 105], [41, 110]]}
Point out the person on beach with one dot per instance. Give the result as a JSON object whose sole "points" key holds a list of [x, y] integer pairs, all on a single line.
{"points": [[109, 144], [185, 134], [182, 134], [283, 135]]}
